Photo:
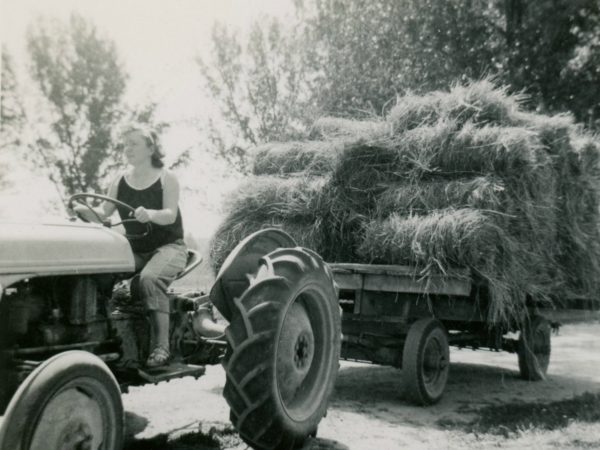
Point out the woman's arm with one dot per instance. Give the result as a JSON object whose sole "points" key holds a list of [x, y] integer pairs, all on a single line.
{"points": [[103, 211], [168, 214]]}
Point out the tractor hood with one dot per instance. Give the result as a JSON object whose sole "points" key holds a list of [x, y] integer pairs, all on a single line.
{"points": [[67, 248]]}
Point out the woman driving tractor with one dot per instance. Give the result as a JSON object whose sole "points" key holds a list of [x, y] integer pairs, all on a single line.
{"points": [[160, 253]]}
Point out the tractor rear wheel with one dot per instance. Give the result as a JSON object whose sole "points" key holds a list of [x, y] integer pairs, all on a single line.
{"points": [[71, 401], [283, 350], [534, 348]]}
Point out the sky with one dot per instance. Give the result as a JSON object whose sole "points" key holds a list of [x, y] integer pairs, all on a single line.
{"points": [[158, 42]]}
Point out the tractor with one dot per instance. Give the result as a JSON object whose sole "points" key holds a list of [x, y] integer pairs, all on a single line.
{"points": [[74, 336]]}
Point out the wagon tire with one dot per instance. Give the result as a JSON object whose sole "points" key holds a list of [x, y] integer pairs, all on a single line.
{"points": [[425, 361], [283, 350], [70, 401], [533, 349]]}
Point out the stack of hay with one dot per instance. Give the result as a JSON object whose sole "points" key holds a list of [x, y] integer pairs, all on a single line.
{"points": [[448, 180]]}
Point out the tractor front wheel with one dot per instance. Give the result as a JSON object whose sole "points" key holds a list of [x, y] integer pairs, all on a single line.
{"points": [[71, 401], [283, 350]]}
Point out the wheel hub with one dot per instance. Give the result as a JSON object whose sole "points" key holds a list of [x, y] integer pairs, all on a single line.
{"points": [[295, 351], [435, 361], [80, 438], [435, 364], [70, 421], [302, 351]]}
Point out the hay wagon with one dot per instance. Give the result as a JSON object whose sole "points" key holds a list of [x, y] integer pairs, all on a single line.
{"points": [[391, 316]]}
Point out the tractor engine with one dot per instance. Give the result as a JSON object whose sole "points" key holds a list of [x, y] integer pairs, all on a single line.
{"points": [[54, 311], [46, 315]]}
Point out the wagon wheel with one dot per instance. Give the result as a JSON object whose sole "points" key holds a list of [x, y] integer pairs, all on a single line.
{"points": [[534, 348], [425, 361], [283, 350], [71, 401]]}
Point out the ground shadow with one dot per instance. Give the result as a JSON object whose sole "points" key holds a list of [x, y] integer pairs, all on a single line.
{"points": [[134, 424], [474, 392], [195, 436], [198, 436]]}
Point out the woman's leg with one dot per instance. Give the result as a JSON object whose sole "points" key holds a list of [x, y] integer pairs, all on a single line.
{"points": [[155, 278], [160, 328]]}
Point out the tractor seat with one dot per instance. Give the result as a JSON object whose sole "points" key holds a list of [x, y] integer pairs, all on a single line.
{"points": [[193, 260]]}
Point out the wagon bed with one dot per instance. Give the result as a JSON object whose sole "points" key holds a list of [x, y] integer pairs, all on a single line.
{"points": [[392, 315]]}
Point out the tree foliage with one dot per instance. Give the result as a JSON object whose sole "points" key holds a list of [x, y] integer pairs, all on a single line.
{"points": [[12, 114], [261, 88], [80, 76], [353, 57]]}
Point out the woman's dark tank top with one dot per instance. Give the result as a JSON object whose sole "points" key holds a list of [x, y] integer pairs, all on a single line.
{"points": [[150, 198]]}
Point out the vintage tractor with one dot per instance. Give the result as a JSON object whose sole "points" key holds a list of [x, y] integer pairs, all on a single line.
{"points": [[73, 336]]}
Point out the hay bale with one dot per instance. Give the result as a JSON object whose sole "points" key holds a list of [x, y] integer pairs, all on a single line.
{"points": [[466, 179], [507, 151], [413, 111], [441, 240], [481, 102], [441, 150], [348, 129], [484, 102], [234, 229], [294, 205], [445, 240], [483, 192], [578, 234], [306, 157], [363, 171]]}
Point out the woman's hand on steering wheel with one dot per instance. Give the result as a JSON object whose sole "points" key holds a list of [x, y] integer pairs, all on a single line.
{"points": [[81, 199]]}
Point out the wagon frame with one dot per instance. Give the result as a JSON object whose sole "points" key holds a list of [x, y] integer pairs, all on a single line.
{"points": [[392, 315]]}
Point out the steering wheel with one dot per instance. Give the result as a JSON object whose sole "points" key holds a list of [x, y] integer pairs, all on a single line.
{"points": [[82, 200]]}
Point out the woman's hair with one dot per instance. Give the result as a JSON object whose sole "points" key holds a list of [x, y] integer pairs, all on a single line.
{"points": [[152, 142]]}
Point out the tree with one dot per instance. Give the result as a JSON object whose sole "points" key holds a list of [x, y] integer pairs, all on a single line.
{"points": [[262, 89], [79, 74], [376, 49], [354, 57], [581, 77], [368, 52], [551, 51], [12, 113]]}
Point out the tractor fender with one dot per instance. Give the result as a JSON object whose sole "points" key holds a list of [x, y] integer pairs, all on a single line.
{"points": [[233, 277]]}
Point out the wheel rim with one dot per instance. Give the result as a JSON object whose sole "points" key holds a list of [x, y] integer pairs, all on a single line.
{"points": [[300, 364], [78, 417], [434, 366]]}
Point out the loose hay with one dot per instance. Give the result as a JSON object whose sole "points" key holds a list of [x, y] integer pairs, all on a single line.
{"points": [[294, 205], [484, 192], [446, 239], [482, 103], [306, 157], [464, 178], [348, 129]]}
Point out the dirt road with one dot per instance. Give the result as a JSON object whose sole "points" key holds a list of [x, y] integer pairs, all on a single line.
{"points": [[369, 411]]}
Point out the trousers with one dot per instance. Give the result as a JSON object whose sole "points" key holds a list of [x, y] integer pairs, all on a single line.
{"points": [[158, 269]]}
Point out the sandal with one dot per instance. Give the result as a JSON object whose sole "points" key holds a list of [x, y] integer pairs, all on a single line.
{"points": [[159, 357]]}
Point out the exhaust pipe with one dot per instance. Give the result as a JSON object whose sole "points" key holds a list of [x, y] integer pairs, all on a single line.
{"points": [[205, 326]]}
